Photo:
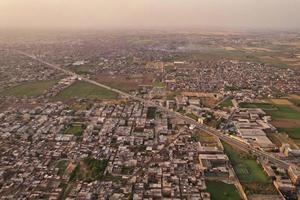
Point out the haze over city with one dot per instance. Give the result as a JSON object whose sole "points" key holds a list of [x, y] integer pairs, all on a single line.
{"points": [[101, 14]]}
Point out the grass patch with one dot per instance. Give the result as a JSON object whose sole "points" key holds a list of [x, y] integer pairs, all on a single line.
{"points": [[293, 133], [61, 165], [249, 172], [284, 112], [220, 190], [89, 169], [82, 89], [227, 103], [151, 112], [29, 89], [127, 170], [75, 129]]}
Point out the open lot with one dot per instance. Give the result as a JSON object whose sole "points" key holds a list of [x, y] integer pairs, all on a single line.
{"points": [[81, 89], [89, 169], [75, 129], [250, 173], [29, 89], [124, 83], [220, 190]]}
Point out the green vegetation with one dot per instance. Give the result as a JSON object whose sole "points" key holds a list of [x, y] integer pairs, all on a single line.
{"points": [[109, 177], [75, 129], [296, 102], [151, 113], [193, 116], [61, 165], [28, 89], [75, 173], [95, 168], [249, 172], [266, 106], [159, 84], [227, 103], [89, 169], [81, 89], [222, 191], [284, 112], [276, 111], [293, 133], [127, 170], [196, 138]]}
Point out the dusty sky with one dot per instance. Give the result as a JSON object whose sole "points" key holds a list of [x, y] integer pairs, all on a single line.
{"points": [[258, 14]]}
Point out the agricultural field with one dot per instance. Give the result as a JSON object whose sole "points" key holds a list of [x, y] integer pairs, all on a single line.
{"points": [[222, 191], [293, 133], [81, 89], [284, 112], [295, 99], [265, 106], [250, 173], [29, 89]]}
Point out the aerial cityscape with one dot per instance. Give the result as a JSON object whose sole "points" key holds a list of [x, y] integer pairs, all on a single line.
{"points": [[148, 113]]}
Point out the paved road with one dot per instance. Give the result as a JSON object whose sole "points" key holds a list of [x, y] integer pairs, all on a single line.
{"points": [[232, 141]]}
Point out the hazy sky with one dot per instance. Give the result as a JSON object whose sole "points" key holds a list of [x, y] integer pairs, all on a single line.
{"points": [[275, 14]]}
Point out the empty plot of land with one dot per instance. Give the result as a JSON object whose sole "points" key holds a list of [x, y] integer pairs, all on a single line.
{"points": [[29, 89], [250, 173], [124, 83], [220, 190], [81, 89], [281, 138]]}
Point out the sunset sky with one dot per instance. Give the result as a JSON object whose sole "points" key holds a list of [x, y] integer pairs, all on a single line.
{"points": [[258, 14]]}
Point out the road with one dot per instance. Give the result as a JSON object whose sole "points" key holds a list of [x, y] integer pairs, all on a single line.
{"points": [[226, 138]]}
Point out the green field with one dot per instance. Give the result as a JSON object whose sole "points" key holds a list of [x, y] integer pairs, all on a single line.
{"points": [[227, 103], [293, 133], [266, 106], [151, 112], [29, 89], [222, 191], [275, 111], [75, 129], [249, 172], [81, 89], [89, 169], [284, 112]]}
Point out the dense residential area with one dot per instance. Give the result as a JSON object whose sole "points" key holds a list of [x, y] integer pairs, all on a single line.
{"points": [[149, 116]]}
